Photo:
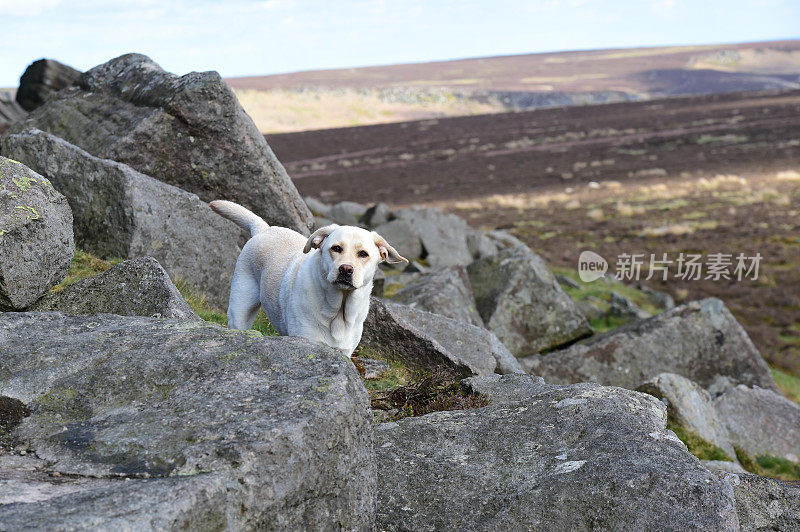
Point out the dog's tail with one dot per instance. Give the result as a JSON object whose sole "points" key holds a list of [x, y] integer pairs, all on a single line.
{"points": [[239, 215]]}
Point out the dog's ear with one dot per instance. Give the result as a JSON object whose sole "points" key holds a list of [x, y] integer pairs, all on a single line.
{"points": [[316, 239], [388, 253]]}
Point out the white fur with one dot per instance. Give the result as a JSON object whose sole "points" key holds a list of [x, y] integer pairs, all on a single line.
{"points": [[294, 279]]}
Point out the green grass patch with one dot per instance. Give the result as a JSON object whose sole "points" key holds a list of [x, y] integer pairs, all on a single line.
{"points": [[599, 294], [788, 384], [606, 323], [84, 265], [702, 449], [602, 289], [769, 466], [398, 374]]}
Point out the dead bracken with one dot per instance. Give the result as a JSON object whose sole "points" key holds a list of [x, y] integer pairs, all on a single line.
{"points": [[428, 391]]}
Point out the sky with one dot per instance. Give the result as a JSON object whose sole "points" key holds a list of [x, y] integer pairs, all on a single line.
{"points": [[255, 37]]}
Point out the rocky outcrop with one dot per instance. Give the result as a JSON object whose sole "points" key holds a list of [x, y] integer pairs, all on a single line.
{"points": [[545, 457], [346, 213], [521, 302], [42, 78], [623, 307], [443, 235], [761, 422], [700, 340], [188, 131], [765, 504], [446, 291], [401, 235], [10, 113], [376, 215], [480, 244], [122, 213], [424, 340], [210, 428], [691, 407], [138, 287], [36, 242]]}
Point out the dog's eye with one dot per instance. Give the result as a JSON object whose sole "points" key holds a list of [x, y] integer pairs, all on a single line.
{"points": [[363, 254], [336, 249]]}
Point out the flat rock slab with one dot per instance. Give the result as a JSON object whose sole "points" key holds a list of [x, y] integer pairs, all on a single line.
{"points": [[188, 131], [136, 287], [701, 341], [36, 241], [122, 213], [761, 422], [425, 340], [446, 291], [211, 428], [691, 407], [520, 301], [579, 457]]}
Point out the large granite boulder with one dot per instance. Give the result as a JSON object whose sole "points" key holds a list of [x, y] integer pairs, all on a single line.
{"points": [[765, 504], [36, 241], [446, 291], [691, 407], [188, 131], [122, 213], [520, 301], [544, 457], [761, 422], [443, 235], [424, 340], [41, 78], [143, 423], [701, 341], [137, 287]]}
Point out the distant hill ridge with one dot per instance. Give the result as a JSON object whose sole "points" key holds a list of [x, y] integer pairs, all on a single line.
{"points": [[359, 96], [611, 69]]}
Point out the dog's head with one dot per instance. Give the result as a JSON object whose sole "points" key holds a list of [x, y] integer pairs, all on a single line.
{"points": [[350, 255]]}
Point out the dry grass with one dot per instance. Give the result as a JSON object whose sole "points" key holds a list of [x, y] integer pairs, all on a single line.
{"points": [[283, 111], [427, 391]]}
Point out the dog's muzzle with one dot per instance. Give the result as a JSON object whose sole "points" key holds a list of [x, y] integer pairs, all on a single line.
{"points": [[345, 278]]}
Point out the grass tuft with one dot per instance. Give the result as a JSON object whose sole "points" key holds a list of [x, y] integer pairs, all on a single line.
{"points": [[84, 265], [702, 449], [769, 466], [788, 384]]}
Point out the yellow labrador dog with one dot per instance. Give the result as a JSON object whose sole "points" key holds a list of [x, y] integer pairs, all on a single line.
{"points": [[316, 287]]}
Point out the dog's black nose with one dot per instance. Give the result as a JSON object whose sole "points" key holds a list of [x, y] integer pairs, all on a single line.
{"points": [[346, 269]]}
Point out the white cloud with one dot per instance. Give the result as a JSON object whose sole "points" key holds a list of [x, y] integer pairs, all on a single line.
{"points": [[662, 6], [26, 8]]}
